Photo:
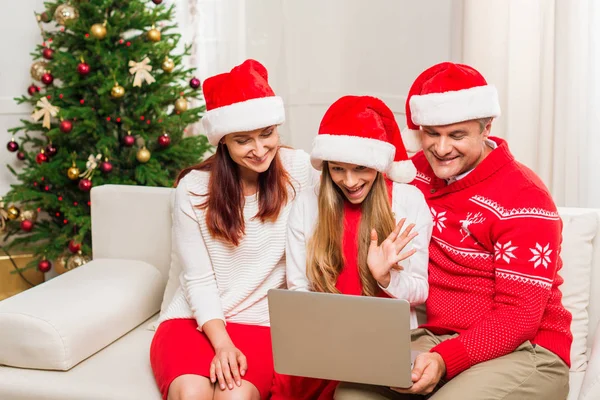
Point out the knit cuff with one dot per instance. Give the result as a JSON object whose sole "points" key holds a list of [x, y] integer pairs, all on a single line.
{"points": [[455, 356], [201, 320], [393, 282]]}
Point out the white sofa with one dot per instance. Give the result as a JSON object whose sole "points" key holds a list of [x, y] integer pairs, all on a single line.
{"points": [[85, 335]]}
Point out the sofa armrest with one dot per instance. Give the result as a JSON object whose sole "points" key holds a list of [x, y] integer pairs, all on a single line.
{"points": [[61, 322], [590, 389]]}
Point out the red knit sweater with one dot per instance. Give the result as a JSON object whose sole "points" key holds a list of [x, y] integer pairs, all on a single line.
{"points": [[348, 281], [494, 262]]}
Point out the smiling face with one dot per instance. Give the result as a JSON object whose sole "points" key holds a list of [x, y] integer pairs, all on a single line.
{"points": [[253, 151], [455, 149], [355, 181]]}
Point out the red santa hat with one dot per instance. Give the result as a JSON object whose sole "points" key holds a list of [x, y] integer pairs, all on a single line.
{"points": [[362, 130], [239, 101], [444, 94]]}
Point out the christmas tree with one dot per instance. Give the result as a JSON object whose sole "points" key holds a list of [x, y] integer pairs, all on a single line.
{"points": [[111, 107]]}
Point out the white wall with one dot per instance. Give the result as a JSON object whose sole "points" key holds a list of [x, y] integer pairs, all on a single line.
{"points": [[20, 34], [318, 51]]}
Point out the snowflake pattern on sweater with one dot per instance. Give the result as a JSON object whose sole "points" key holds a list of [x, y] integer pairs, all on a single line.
{"points": [[494, 262]]}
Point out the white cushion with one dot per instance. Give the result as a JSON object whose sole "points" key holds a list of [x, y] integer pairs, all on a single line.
{"points": [[575, 380], [173, 279], [133, 223], [119, 372], [576, 254], [65, 320], [590, 388]]}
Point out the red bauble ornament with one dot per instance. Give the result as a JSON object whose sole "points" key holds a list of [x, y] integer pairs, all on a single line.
{"points": [[26, 225], [83, 69], [47, 78], [128, 140], [74, 247], [157, 1], [51, 150], [12, 146], [44, 265], [21, 155], [164, 141], [106, 167], [85, 185], [48, 53], [41, 158], [194, 83], [32, 90], [66, 126]]}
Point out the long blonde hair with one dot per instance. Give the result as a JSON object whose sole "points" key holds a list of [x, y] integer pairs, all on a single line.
{"points": [[325, 258]]}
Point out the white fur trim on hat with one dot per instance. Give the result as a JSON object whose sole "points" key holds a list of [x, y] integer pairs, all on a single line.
{"points": [[371, 153], [451, 107], [243, 117], [412, 140], [402, 171]]}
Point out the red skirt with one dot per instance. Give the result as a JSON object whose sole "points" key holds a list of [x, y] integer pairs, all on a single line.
{"points": [[179, 348], [287, 387]]}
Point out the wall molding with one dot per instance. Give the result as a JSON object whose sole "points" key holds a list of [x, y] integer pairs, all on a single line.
{"points": [[394, 101], [8, 106]]}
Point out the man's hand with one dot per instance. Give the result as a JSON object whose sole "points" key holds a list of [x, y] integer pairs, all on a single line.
{"points": [[427, 372]]}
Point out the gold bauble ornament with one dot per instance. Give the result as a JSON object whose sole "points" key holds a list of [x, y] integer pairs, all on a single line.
{"points": [[13, 212], [143, 155], [76, 261], [117, 91], [60, 265], [38, 69], [98, 31], [181, 104], [3, 217], [153, 35], [65, 14], [73, 173], [31, 215], [168, 65]]}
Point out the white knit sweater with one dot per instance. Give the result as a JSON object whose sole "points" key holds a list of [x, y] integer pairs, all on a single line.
{"points": [[220, 280]]}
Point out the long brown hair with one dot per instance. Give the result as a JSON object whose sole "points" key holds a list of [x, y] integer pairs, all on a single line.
{"points": [[325, 258], [225, 200]]}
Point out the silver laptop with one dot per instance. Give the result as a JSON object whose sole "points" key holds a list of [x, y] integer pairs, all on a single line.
{"points": [[339, 337]]}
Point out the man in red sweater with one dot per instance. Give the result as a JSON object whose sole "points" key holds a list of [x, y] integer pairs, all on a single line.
{"points": [[496, 327]]}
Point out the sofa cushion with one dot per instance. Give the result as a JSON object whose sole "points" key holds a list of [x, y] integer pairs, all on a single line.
{"points": [[133, 223], [575, 381], [61, 322], [172, 283], [576, 254], [590, 387], [119, 372]]}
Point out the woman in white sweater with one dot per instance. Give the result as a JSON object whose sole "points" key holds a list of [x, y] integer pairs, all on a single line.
{"points": [[346, 235], [229, 220]]}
